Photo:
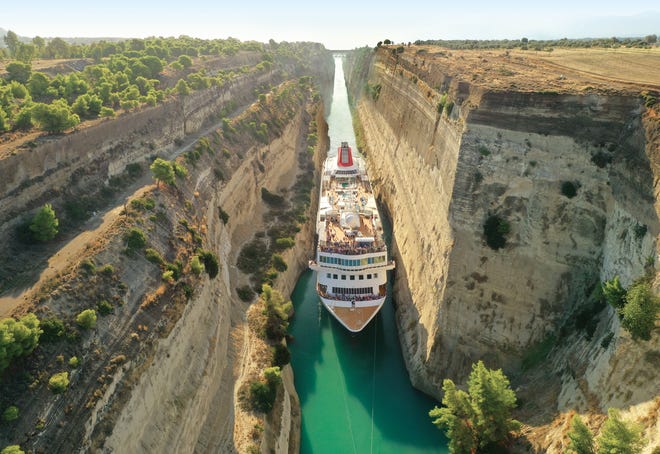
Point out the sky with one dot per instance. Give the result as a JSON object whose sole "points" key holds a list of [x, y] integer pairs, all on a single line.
{"points": [[338, 24]]}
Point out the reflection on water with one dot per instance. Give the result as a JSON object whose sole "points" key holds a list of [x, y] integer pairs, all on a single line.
{"points": [[354, 389]]}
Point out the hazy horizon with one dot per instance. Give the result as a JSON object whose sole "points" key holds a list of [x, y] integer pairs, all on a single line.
{"points": [[344, 26]]}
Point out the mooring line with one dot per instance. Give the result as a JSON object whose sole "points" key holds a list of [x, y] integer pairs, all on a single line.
{"points": [[373, 385]]}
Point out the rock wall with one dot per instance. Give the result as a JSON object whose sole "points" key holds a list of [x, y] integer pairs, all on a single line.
{"points": [[509, 154]]}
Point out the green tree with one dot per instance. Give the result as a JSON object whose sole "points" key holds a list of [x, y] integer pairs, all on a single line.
{"points": [[641, 310], [44, 224], [277, 312], [620, 437], [58, 383], [581, 440], [17, 338], [163, 170], [614, 293], [86, 319], [185, 61], [19, 71], [55, 117], [11, 40], [135, 239], [480, 418], [10, 414], [12, 449], [182, 87]]}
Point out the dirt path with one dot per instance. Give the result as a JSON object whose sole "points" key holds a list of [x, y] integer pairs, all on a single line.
{"points": [[70, 250]]}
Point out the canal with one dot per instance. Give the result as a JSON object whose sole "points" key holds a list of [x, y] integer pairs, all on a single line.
{"points": [[354, 390]]}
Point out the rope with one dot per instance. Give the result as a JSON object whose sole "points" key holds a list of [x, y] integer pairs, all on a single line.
{"points": [[342, 380], [373, 385]]}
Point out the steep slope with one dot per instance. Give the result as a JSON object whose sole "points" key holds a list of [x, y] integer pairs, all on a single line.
{"points": [[514, 189], [159, 372]]}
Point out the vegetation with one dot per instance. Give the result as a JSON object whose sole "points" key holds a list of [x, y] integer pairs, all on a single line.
{"points": [[196, 266], [619, 436], [10, 414], [569, 189], [44, 224], [277, 312], [154, 256], [12, 449], [86, 319], [263, 392], [163, 170], [270, 198], [135, 239], [58, 383], [480, 419], [545, 45], [18, 338], [245, 293], [637, 307], [52, 329], [581, 438], [210, 261], [496, 230]]}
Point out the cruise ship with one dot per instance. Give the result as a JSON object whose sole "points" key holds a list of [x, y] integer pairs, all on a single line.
{"points": [[351, 261]]}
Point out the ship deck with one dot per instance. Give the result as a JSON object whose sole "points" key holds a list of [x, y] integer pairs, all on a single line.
{"points": [[355, 318]]}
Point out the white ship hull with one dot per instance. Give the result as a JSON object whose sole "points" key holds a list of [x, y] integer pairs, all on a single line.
{"points": [[351, 256]]}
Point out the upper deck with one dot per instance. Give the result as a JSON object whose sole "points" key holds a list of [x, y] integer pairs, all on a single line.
{"points": [[348, 219]]}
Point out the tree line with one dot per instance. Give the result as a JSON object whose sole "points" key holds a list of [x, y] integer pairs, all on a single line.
{"points": [[535, 44]]}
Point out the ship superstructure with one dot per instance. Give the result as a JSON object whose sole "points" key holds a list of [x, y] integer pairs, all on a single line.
{"points": [[351, 255]]}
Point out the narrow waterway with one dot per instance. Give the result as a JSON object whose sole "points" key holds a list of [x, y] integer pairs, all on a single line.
{"points": [[354, 390]]}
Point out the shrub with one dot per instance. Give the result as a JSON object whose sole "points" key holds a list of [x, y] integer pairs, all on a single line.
{"points": [[210, 263], [53, 329], [223, 215], [614, 293], [10, 414], [18, 338], [143, 204], [277, 311], [12, 449], [285, 243], [58, 383], [104, 307], [641, 310], [135, 239], [483, 151], [176, 268], [168, 276], [569, 189], [495, 230], [154, 256], [278, 263], [196, 266], [245, 293], [88, 267], [74, 362], [263, 394], [271, 199], [107, 270], [86, 319], [44, 224], [281, 355]]}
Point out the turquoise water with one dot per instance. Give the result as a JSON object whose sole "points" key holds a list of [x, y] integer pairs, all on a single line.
{"points": [[354, 389]]}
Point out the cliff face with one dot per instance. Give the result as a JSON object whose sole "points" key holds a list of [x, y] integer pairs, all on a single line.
{"points": [[572, 176]]}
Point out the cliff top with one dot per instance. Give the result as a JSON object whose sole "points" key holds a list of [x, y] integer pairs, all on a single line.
{"points": [[562, 70]]}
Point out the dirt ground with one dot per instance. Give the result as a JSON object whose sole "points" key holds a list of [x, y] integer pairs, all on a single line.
{"points": [[562, 70]]}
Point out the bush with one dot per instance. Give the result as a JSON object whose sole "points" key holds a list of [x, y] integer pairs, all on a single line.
{"points": [[10, 414], [569, 189], [245, 293], [278, 263], [196, 266], [277, 312], [18, 338], [135, 239], [107, 270], [641, 310], [58, 383], [53, 329], [614, 293], [281, 355], [12, 449], [223, 216], [44, 224], [86, 319], [88, 267], [74, 362], [210, 263], [262, 395], [154, 256], [495, 230], [285, 243], [168, 276], [271, 199], [104, 307]]}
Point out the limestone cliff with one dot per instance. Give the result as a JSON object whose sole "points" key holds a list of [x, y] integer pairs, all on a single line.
{"points": [[569, 173]]}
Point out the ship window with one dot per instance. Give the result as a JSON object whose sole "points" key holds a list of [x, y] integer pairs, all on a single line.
{"points": [[328, 275], [352, 277], [368, 276], [343, 277], [334, 276], [361, 277]]}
